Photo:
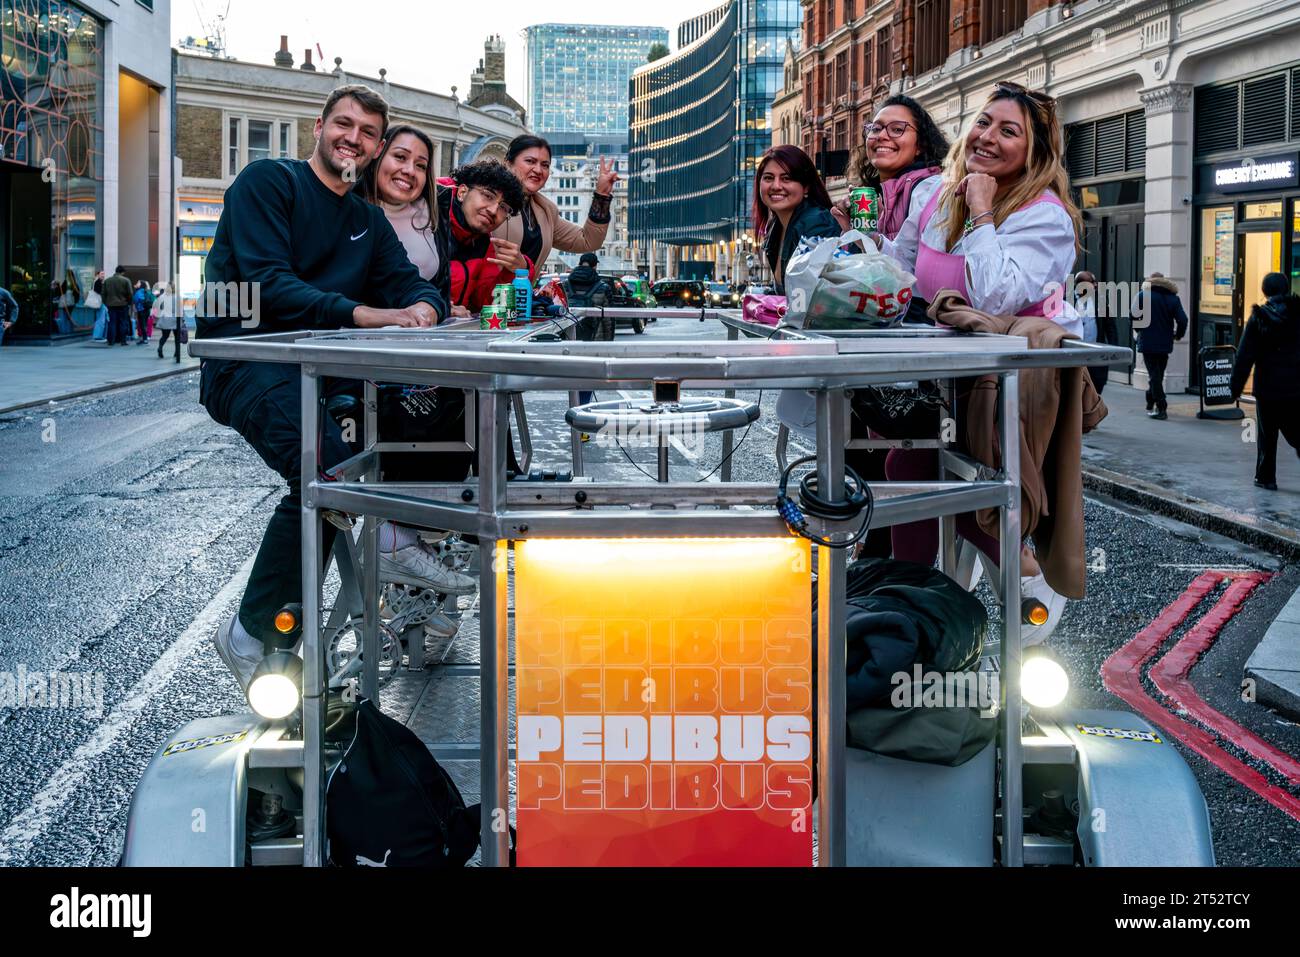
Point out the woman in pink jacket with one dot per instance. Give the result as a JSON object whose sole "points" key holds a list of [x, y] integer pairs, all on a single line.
{"points": [[903, 147]]}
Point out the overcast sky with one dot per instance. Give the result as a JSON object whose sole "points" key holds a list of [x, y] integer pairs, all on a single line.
{"points": [[432, 46]]}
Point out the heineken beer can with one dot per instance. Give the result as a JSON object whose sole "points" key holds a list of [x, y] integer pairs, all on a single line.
{"points": [[493, 317], [503, 298], [864, 209]]}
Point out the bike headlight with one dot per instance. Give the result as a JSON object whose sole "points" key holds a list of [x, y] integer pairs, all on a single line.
{"points": [[1043, 682], [276, 688]]}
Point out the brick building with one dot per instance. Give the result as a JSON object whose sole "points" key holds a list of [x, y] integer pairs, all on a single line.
{"points": [[1182, 125]]}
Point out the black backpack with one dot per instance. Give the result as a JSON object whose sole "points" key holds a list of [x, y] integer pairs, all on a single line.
{"points": [[388, 802]]}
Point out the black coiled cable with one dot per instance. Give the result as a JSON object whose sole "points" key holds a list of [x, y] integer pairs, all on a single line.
{"points": [[859, 500]]}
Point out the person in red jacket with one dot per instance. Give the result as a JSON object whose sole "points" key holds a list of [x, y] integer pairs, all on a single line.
{"points": [[473, 201]]}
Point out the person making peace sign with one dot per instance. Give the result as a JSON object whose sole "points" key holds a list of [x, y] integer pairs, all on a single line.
{"points": [[539, 226]]}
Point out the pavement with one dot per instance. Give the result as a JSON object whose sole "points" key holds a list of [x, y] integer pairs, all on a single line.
{"points": [[38, 375], [1200, 471]]}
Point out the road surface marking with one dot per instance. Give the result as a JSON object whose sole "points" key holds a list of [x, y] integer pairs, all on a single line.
{"points": [[26, 827], [1122, 675]]}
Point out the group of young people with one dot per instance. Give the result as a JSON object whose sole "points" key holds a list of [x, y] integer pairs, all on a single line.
{"points": [[365, 234], [988, 216]]}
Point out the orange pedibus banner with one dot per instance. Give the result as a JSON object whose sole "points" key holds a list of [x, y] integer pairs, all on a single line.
{"points": [[664, 702]]}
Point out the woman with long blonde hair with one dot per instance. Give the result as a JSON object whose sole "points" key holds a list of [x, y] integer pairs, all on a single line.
{"points": [[999, 225]]}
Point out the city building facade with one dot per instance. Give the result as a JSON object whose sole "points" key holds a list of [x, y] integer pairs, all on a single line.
{"points": [[85, 167], [230, 113], [1182, 124], [699, 120], [578, 74]]}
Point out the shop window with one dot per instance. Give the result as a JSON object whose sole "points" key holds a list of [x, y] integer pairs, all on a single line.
{"points": [[1217, 260], [1262, 210], [1295, 246]]}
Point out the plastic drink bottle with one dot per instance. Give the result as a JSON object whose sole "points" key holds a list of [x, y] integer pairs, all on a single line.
{"points": [[523, 295]]}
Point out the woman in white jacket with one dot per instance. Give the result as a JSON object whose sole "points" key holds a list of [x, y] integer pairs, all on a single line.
{"points": [[999, 227]]}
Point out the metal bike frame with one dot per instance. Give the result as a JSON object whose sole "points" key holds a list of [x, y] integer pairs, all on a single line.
{"points": [[494, 510]]}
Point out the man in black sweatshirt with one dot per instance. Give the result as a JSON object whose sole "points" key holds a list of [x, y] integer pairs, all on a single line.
{"points": [[296, 249]]}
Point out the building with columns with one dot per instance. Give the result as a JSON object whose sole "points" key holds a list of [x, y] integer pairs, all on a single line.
{"points": [[230, 112], [1182, 126]]}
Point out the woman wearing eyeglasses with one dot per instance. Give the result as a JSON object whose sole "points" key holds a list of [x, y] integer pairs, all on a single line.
{"points": [[903, 147], [998, 227], [539, 226]]}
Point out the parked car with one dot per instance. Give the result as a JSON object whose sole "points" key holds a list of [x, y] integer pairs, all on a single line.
{"points": [[683, 293], [755, 289]]}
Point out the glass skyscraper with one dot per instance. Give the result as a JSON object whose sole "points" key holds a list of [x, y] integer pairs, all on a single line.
{"points": [[578, 74], [699, 122]]}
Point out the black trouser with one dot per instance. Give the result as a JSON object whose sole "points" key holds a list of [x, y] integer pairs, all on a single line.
{"points": [[176, 338], [262, 402], [119, 324], [142, 323], [1272, 418], [870, 466], [1156, 363]]}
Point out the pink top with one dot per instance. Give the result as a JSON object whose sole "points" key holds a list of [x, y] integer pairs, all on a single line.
{"points": [[936, 270]]}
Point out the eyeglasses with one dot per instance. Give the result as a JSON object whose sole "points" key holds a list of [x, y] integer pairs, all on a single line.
{"points": [[494, 200], [1016, 90], [896, 129]]}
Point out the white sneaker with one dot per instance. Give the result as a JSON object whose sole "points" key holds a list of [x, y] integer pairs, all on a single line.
{"points": [[414, 566], [409, 607], [241, 666], [1036, 587]]}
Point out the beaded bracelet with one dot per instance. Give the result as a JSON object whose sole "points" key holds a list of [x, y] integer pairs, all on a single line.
{"points": [[970, 223]]}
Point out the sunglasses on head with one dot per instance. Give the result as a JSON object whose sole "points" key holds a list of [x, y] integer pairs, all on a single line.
{"points": [[1015, 89]]}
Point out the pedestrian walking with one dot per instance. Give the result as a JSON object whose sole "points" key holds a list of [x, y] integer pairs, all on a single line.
{"points": [[1096, 328], [117, 296], [1270, 346], [1166, 322], [164, 314]]}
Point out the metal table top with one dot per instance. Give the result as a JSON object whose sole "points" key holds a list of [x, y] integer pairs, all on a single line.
{"points": [[536, 357]]}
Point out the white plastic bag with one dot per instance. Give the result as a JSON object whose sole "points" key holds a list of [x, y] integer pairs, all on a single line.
{"points": [[831, 287]]}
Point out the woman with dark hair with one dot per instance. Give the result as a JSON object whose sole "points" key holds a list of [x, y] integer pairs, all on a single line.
{"points": [[538, 227], [398, 181], [903, 146], [790, 203]]}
